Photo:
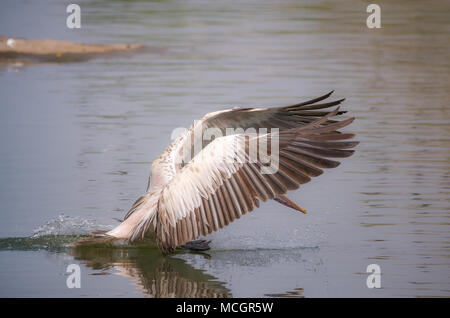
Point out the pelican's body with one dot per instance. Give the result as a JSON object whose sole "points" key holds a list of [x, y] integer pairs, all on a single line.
{"points": [[188, 197]]}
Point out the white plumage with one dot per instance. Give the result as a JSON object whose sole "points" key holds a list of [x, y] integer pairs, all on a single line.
{"points": [[194, 192]]}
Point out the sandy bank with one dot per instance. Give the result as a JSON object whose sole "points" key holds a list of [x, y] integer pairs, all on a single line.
{"points": [[18, 51]]}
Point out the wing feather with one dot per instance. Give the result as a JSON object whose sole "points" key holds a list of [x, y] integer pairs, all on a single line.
{"points": [[213, 190], [219, 184], [297, 116], [283, 118]]}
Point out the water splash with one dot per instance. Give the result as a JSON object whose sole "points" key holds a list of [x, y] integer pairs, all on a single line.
{"points": [[55, 235], [51, 243], [67, 225], [308, 236], [61, 232]]}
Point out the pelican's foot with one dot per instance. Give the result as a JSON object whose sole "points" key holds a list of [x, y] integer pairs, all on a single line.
{"points": [[197, 245]]}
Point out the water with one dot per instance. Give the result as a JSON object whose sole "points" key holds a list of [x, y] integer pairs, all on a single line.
{"points": [[77, 140]]}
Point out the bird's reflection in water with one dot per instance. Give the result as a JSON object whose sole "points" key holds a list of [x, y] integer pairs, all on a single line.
{"points": [[155, 274], [296, 293]]}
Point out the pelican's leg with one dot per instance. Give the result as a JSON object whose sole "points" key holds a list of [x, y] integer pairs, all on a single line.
{"points": [[197, 245], [281, 198]]}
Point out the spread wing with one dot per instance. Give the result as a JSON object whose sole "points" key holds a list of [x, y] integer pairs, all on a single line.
{"points": [[283, 118], [224, 181]]}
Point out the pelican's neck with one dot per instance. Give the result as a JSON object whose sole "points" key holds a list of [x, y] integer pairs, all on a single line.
{"points": [[148, 210]]}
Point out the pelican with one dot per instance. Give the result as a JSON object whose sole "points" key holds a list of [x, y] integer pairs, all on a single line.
{"points": [[194, 193]]}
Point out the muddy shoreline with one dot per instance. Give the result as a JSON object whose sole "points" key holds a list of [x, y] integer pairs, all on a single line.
{"points": [[19, 51]]}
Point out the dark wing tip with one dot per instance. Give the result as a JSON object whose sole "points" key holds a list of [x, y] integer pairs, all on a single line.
{"points": [[311, 101]]}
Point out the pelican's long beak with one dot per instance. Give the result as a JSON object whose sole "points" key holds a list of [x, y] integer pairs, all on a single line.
{"points": [[281, 198]]}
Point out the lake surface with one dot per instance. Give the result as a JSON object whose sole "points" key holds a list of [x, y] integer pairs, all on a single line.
{"points": [[77, 140]]}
